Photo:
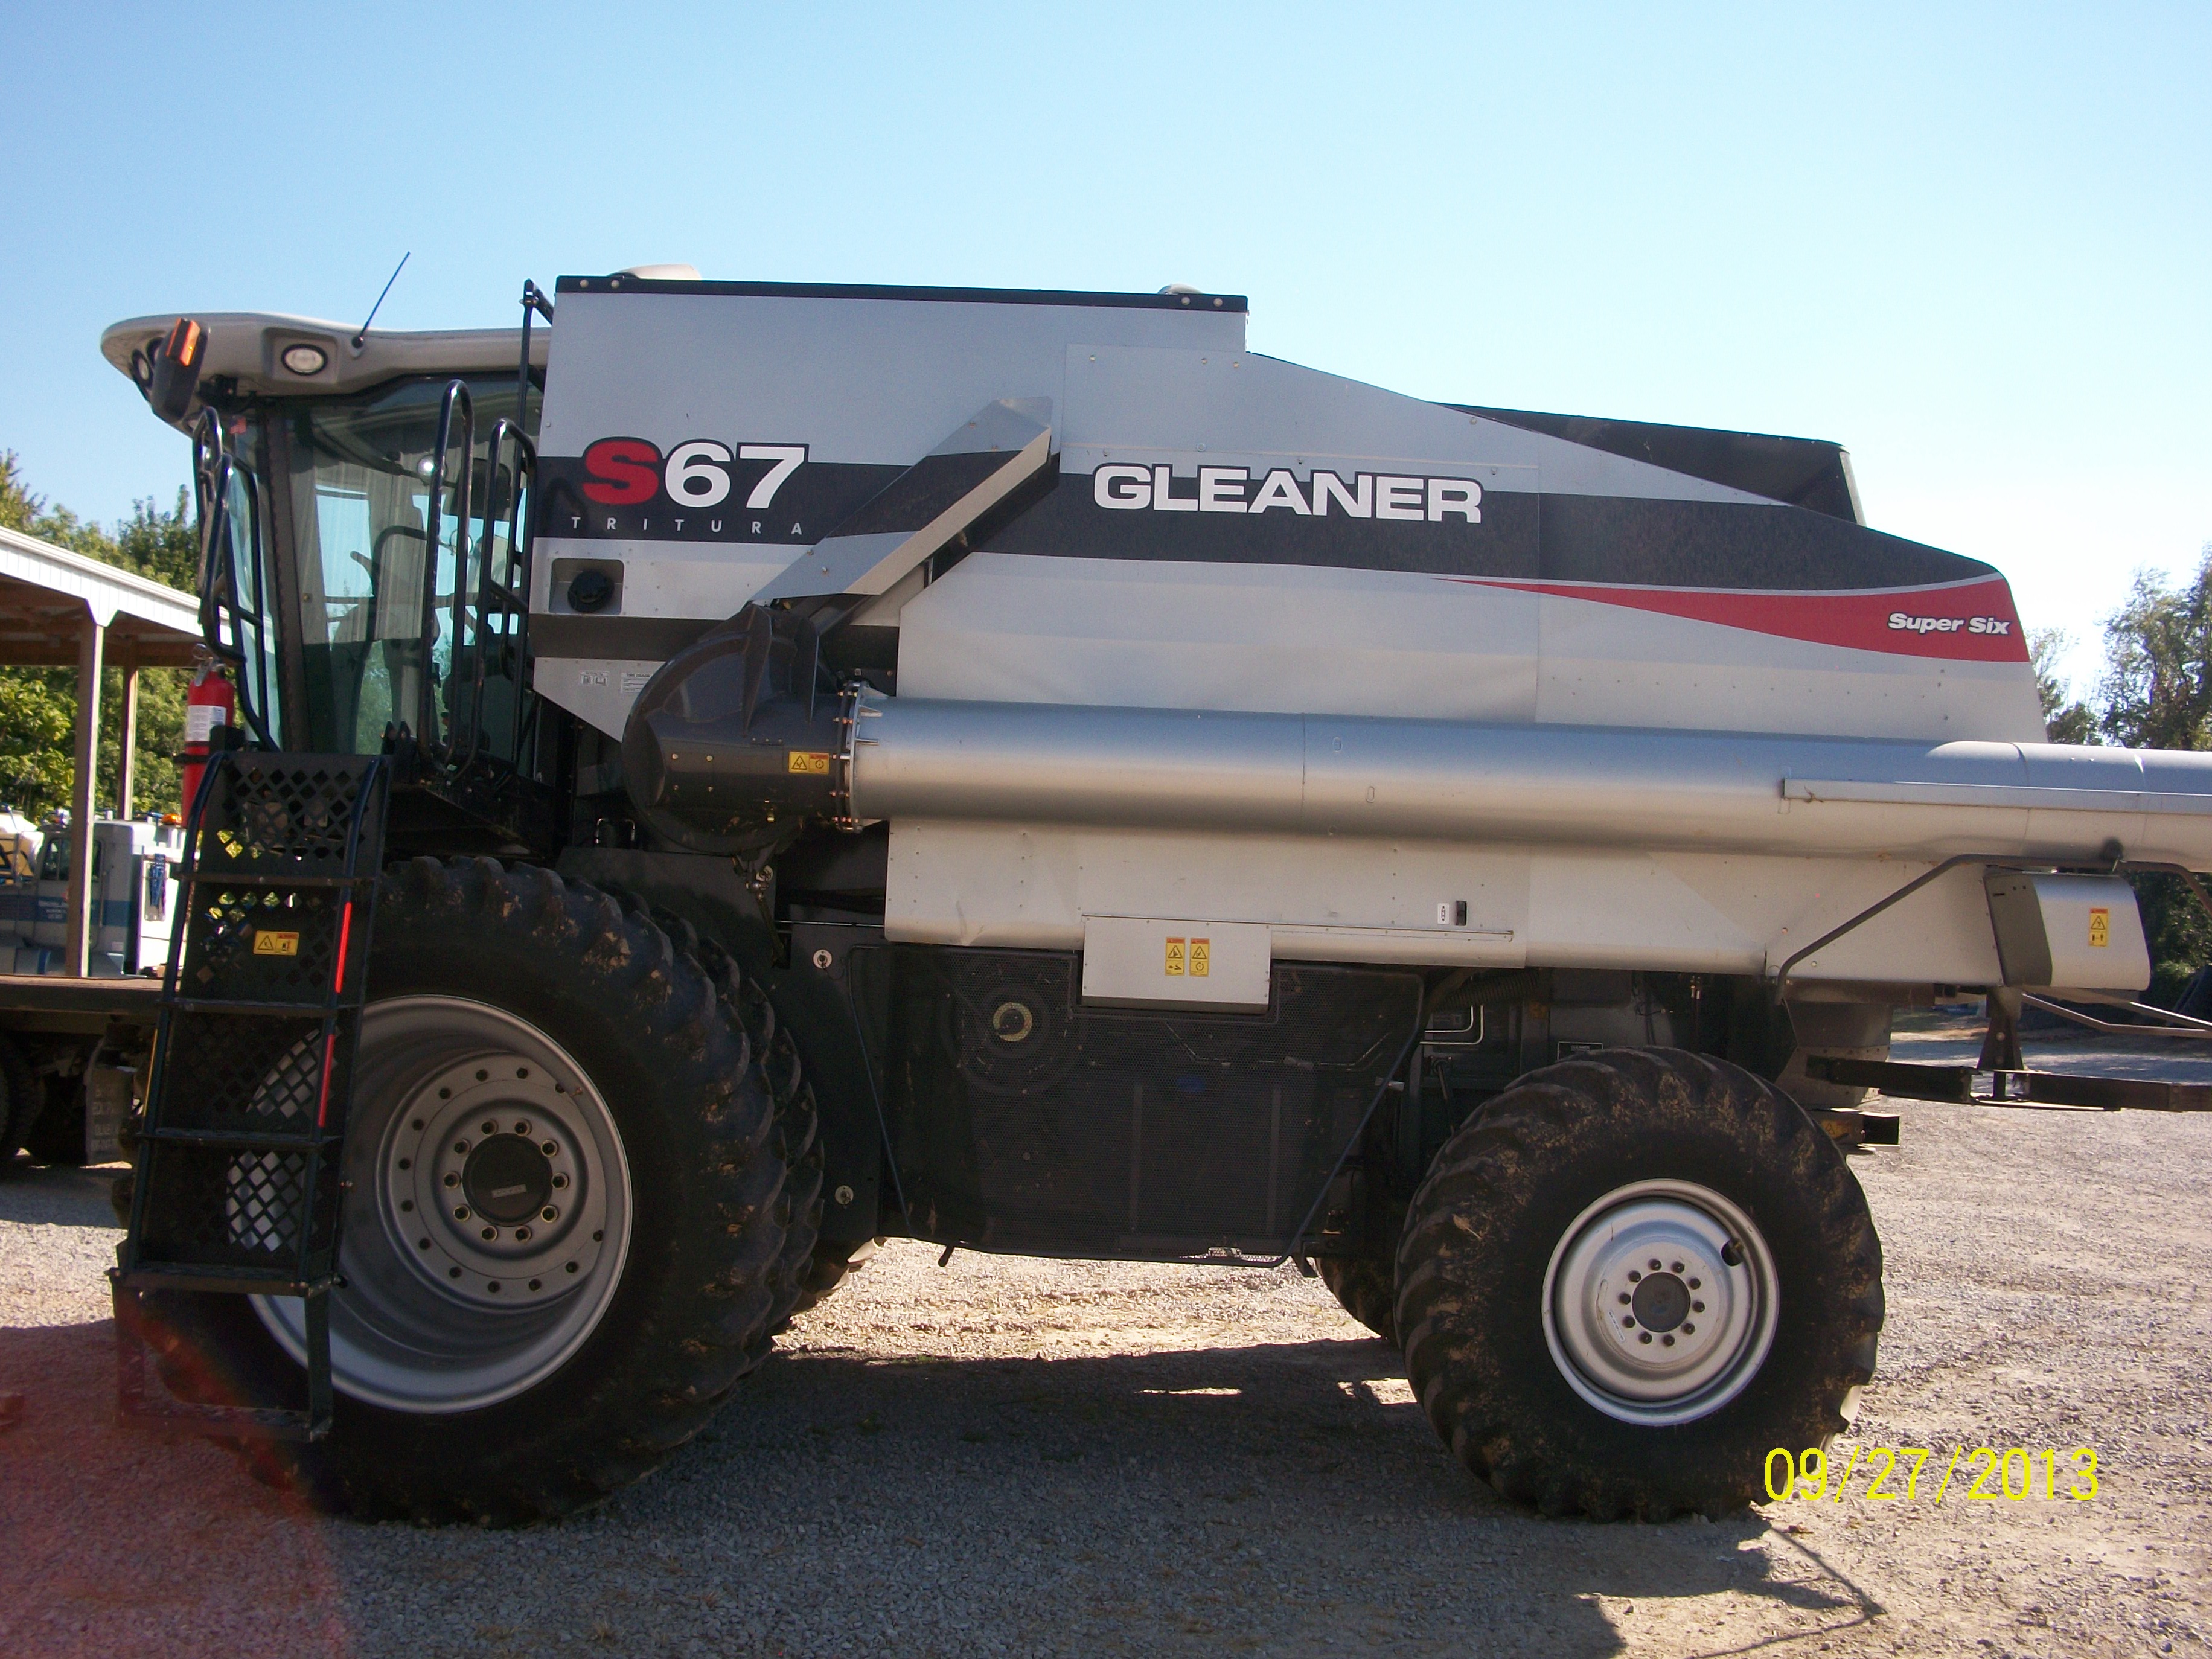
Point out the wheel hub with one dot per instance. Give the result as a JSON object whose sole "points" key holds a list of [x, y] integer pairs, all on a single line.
{"points": [[1660, 1302], [507, 1178]]}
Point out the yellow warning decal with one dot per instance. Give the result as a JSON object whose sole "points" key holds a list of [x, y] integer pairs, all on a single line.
{"points": [[268, 942], [1202, 956], [1175, 959], [810, 761], [2101, 926]]}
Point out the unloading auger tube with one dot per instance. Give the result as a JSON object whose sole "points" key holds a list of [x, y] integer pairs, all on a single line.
{"points": [[860, 757]]}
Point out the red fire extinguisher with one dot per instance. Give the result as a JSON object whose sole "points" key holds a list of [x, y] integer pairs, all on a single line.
{"points": [[208, 703]]}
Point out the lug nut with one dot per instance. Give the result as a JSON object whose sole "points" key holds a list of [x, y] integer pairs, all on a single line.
{"points": [[1646, 1337], [460, 1212], [422, 1243], [416, 1124], [571, 1266], [461, 1148], [453, 1272], [549, 1214], [482, 1076], [1667, 1340], [1689, 1330], [406, 1204], [537, 1283], [522, 1235], [1625, 1298], [406, 1163], [1697, 1307], [491, 1232], [522, 1070], [1677, 1268], [559, 1181], [522, 1129], [1655, 1264], [1628, 1321], [1697, 1285], [491, 1128], [549, 1149], [492, 1284], [1633, 1275], [452, 1180]]}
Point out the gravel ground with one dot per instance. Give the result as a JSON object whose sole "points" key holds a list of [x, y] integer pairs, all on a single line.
{"points": [[1028, 1457]]}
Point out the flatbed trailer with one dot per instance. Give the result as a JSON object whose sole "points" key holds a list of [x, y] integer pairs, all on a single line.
{"points": [[73, 1045]]}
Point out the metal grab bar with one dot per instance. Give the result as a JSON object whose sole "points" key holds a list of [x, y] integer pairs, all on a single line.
{"points": [[513, 594], [426, 701], [230, 632]]}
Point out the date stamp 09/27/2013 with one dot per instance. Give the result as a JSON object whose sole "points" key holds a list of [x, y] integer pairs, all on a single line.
{"points": [[1894, 1473]]}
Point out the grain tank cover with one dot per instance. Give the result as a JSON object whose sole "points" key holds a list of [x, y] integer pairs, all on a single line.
{"points": [[1146, 514]]}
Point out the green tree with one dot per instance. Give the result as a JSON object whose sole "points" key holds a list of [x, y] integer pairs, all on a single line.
{"points": [[38, 706], [2157, 694], [2068, 720]]}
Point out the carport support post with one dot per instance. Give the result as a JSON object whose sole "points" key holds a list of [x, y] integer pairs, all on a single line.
{"points": [[83, 798], [126, 735]]}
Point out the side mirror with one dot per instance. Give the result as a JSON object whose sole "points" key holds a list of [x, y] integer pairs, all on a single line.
{"points": [[171, 374]]}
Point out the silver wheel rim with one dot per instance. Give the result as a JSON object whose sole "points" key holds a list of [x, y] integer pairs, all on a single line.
{"points": [[1660, 1303], [490, 1217]]}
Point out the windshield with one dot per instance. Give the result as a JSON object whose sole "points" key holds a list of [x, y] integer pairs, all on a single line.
{"points": [[360, 498]]}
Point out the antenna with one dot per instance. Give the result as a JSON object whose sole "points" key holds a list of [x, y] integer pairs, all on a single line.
{"points": [[361, 333]]}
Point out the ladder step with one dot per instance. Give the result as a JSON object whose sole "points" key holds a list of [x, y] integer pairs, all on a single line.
{"points": [[239, 1140], [210, 879], [251, 1006], [231, 1281]]}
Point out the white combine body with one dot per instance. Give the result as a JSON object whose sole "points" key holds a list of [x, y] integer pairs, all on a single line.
{"points": [[1020, 771]]}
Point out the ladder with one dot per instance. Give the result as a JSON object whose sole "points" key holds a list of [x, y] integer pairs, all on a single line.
{"points": [[239, 1181]]}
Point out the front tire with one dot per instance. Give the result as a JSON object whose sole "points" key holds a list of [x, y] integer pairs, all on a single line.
{"points": [[1563, 1367], [478, 1376]]}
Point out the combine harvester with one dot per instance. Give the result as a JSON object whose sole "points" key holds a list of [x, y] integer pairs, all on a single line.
{"points": [[1019, 771]]}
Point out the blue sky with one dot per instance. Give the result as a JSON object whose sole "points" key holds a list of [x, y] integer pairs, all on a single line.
{"points": [[1969, 242]]}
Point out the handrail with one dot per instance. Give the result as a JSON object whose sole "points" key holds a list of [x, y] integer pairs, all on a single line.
{"points": [[425, 700], [228, 630], [514, 600]]}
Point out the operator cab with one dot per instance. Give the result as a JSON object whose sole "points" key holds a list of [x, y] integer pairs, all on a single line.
{"points": [[327, 443]]}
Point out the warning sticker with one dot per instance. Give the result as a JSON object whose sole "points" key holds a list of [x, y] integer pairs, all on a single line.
{"points": [[268, 942], [810, 761], [1174, 969], [2101, 926], [1202, 957]]}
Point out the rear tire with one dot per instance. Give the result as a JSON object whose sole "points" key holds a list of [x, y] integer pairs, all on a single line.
{"points": [[1366, 1288], [692, 1184], [1563, 1368], [832, 1262]]}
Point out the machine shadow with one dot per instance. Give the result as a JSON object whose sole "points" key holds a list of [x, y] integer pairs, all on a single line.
{"points": [[1290, 1447]]}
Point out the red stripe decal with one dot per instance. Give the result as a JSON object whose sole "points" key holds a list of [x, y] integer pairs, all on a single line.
{"points": [[323, 1104], [345, 933], [1964, 622]]}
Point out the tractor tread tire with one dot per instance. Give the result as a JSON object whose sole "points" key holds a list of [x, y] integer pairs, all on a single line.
{"points": [[797, 1117], [1497, 1200], [702, 1135], [835, 1261], [1365, 1288]]}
